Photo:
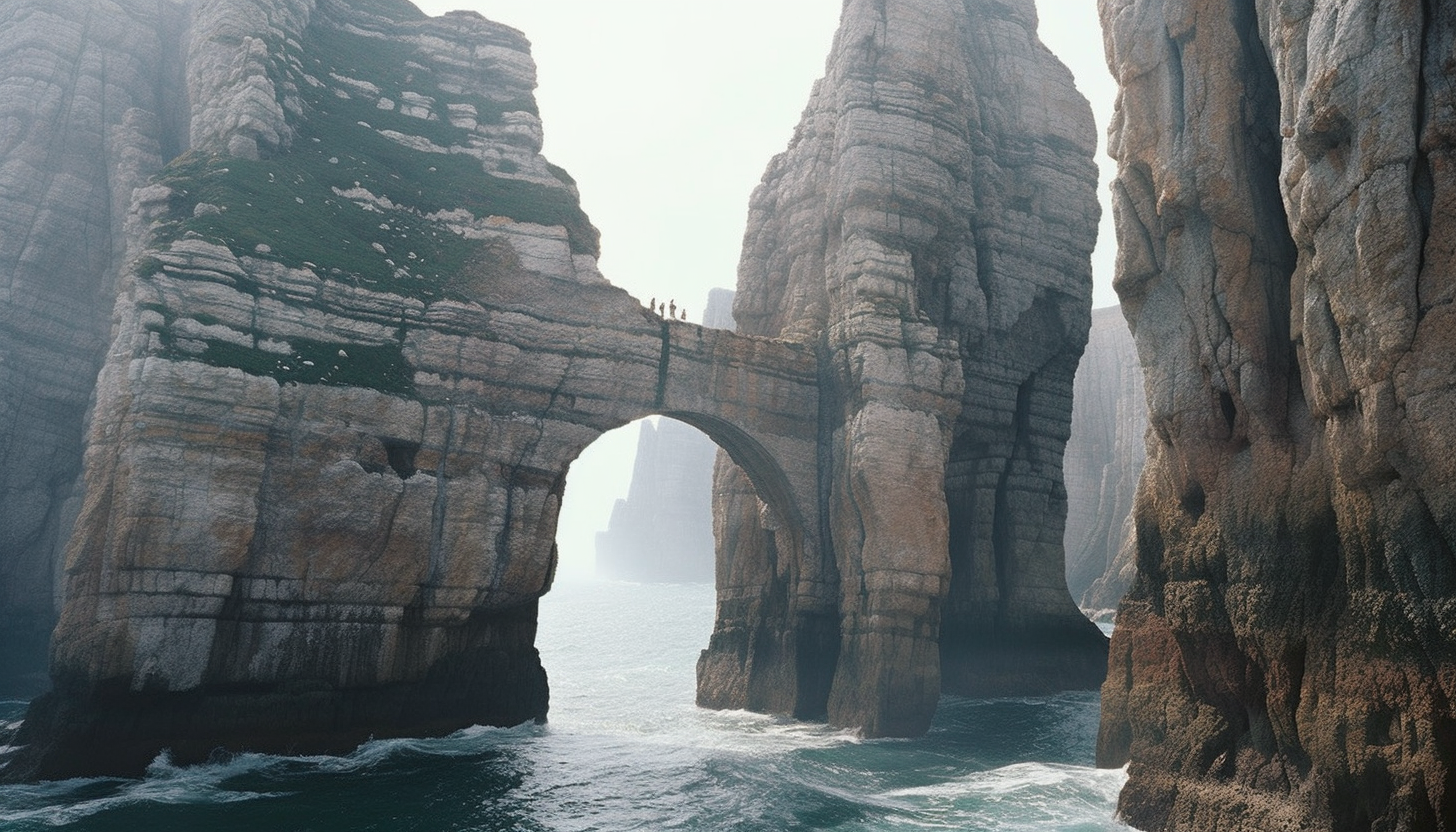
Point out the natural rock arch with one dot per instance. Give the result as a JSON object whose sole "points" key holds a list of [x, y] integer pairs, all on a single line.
{"points": [[329, 443]]}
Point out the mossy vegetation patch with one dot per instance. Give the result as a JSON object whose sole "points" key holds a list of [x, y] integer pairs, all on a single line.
{"points": [[380, 367], [291, 207], [288, 208]]}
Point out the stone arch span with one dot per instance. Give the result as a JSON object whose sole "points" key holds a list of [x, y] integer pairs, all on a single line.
{"points": [[360, 560]]}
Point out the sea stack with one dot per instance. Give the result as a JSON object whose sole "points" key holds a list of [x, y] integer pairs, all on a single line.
{"points": [[1286, 658], [1104, 461], [928, 233], [358, 335]]}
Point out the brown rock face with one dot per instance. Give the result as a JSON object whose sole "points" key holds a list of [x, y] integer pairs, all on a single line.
{"points": [[928, 231], [1103, 463], [1287, 656]]}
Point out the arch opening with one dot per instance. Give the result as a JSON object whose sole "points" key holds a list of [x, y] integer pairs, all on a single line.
{"points": [[637, 511]]}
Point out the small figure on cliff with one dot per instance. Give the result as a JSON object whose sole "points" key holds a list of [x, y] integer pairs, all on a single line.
{"points": [[672, 308], [661, 309], [652, 305], [685, 313]]}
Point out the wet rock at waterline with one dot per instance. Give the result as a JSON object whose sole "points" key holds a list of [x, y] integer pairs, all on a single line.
{"points": [[1286, 658]]}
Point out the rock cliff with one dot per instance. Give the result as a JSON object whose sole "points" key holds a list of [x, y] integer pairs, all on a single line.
{"points": [[272, 457], [1286, 658], [663, 531], [357, 336], [88, 111], [1103, 462], [928, 232]]}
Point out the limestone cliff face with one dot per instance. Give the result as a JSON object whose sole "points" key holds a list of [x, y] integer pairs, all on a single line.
{"points": [[357, 338], [1103, 462], [928, 231], [275, 485], [1287, 656], [87, 113], [663, 530]]}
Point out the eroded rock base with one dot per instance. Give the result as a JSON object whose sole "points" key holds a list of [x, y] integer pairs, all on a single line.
{"points": [[492, 675]]}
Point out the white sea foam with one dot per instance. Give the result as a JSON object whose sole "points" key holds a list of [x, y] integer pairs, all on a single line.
{"points": [[626, 749]]}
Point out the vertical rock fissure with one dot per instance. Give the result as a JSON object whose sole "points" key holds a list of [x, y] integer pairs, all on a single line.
{"points": [[662, 364], [439, 507], [172, 96], [1003, 539], [1423, 185], [831, 407]]}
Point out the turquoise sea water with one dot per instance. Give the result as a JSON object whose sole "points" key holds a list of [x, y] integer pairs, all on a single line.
{"points": [[625, 749]]}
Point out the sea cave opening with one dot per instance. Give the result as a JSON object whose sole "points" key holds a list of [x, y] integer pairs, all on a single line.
{"points": [[632, 604]]}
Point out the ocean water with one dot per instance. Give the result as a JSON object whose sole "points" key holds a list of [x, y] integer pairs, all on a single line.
{"points": [[625, 749]]}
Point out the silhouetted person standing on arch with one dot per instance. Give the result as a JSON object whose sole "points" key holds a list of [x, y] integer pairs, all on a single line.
{"points": [[672, 309]]}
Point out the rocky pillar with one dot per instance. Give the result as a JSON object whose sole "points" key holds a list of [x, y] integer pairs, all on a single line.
{"points": [[1285, 658], [899, 385]]}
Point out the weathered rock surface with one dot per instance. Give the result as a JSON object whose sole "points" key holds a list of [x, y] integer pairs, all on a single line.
{"points": [[663, 531], [928, 231], [349, 369], [1287, 656], [1103, 462], [85, 116], [363, 336]]}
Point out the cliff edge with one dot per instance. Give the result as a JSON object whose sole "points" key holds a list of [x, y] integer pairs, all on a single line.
{"points": [[1286, 658]]}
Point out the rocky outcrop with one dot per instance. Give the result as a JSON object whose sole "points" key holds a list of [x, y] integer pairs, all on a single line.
{"points": [[663, 531], [928, 232], [86, 114], [359, 335], [718, 312], [1103, 462], [1286, 657], [346, 379]]}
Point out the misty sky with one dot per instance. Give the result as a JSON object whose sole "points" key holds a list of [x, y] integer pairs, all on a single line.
{"points": [[666, 113]]}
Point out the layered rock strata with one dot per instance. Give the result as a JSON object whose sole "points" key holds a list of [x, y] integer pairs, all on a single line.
{"points": [[1286, 658], [928, 231], [87, 113], [662, 532], [1103, 462], [359, 336], [361, 342]]}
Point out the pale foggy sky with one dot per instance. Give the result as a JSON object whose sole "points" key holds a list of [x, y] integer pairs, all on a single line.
{"points": [[666, 113]]}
